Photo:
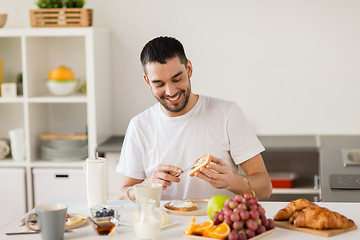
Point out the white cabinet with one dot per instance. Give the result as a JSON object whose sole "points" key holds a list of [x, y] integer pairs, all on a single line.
{"points": [[58, 184], [34, 51], [12, 192]]}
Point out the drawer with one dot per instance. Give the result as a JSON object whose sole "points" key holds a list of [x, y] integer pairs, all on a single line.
{"points": [[58, 184]]}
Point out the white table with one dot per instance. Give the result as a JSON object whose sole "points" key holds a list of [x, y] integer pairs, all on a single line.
{"points": [[350, 210]]}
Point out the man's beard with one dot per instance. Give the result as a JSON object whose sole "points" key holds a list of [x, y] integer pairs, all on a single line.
{"points": [[178, 108]]}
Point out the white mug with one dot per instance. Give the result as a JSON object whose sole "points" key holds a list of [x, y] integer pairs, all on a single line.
{"points": [[17, 144], [146, 190]]}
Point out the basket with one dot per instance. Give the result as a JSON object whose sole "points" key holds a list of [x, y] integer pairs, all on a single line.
{"points": [[61, 17]]}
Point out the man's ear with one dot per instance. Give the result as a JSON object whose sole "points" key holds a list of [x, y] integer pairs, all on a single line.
{"points": [[147, 80], [189, 68]]}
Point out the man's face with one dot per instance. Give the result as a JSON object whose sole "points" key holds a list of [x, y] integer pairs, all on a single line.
{"points": [[170, 85]]}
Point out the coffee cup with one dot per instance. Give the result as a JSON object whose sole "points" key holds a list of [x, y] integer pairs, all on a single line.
{"points": [[146, 190], [51, 219]]}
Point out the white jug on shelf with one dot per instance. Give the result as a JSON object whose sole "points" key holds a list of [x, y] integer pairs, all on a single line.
{"points": [[96, 180]]}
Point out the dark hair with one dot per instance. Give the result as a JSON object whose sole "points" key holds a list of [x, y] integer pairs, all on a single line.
{"points": [[160, 49]]}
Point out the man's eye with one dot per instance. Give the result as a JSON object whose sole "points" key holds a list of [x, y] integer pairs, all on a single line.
{"points": [[159, 85], [177, 80]]}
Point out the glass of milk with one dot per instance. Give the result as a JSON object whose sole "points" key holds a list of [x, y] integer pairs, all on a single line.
{"points": [[148, 219]]}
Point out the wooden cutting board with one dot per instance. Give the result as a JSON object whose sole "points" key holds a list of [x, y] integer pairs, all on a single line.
{"points": [[324, 233]]}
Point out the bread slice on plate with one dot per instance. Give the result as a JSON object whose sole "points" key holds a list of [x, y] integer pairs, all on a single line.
{"points": [[181, 205]]}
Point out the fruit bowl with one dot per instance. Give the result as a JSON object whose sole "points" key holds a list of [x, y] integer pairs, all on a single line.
{"points": [[61, 88]]}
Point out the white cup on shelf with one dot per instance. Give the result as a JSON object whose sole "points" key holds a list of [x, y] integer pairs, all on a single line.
{"points": [[17, 144]]}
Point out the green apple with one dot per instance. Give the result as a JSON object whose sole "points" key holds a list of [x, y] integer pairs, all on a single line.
{"points": [[216, 203]]}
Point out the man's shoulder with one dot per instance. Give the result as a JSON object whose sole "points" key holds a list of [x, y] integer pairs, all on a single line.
{"points": [[218, 103], [146, 115]]}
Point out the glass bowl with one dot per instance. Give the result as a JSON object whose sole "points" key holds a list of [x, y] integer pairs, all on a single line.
{"points": [[104, 225], [101, 211]]}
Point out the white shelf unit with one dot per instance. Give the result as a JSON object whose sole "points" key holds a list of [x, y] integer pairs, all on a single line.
{"points": [[35, 51]]}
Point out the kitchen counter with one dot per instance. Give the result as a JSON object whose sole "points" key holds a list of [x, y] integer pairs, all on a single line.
{"points": [[350, 210], [331, 162]]}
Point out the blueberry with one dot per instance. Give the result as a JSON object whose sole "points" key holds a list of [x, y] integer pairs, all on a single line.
{"points": [[98, 214], [111, 212]]}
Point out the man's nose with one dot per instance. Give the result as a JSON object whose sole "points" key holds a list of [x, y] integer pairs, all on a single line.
{"points": [[170, 90]]}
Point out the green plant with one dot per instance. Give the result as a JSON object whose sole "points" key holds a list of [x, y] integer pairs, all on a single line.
{"points": [[49, 3], [74, 3]]}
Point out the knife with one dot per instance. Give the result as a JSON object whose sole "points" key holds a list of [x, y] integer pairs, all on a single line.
{"points": [[190, 167]]}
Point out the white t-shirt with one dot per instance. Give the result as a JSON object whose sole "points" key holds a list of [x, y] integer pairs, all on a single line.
{"points": [[212, 126]]}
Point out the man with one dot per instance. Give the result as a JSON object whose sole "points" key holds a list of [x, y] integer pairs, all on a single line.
{"points": [[182, 127]]}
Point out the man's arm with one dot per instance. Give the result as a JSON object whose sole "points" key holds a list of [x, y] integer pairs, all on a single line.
{"points": [[163, 174], [219, 175], [125, 183]]}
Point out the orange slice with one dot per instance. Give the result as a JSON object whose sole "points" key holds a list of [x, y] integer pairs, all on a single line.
{"points": [[217, 231], [190, 227], [199, 228]]}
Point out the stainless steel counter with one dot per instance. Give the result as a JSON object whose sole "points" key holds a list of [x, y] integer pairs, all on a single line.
{"points": [[331, 162]]}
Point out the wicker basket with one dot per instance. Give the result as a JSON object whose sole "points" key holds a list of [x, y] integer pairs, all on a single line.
{"points": [[61, 17]]}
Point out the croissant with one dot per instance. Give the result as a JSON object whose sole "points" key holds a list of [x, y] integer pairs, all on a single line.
{"points": [[320, 218], [296, 205]]}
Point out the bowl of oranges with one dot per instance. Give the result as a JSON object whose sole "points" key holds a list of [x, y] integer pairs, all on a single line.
{"points": [[61, 81]]}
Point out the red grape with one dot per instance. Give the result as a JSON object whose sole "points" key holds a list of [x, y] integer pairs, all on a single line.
{"points": [[253, 200], [239, 198], [217, 221], [235, 217], [254, 214], [250, 233], [264, 221], [253, 207], [242, 236], [236, 210], [258, 221], [271, 224], [261, 210], [248, 196], [260, 230], [233, 236], [233, 204], [244, 215], [215, 214], [228, 221], [227, 211], [226, 203], [251, 224], [221, 217], [238, 225], [242, 206]]}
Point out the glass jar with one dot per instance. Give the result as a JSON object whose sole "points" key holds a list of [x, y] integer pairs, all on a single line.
{"points": [[148, 219]]}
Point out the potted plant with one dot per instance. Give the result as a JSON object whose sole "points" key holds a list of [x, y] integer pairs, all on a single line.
{"points": [[61, 13]]}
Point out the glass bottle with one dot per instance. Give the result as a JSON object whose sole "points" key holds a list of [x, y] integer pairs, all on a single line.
{"points": [[148, 219]]}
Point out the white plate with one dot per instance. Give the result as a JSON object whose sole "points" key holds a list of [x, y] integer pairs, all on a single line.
{"points": [[170, 224]]}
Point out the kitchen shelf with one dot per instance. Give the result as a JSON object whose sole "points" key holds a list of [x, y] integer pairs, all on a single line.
{"points": [[34, 52]]}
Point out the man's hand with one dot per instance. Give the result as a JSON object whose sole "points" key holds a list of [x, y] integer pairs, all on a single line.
{"points": [[164, 174], [219, 175]]}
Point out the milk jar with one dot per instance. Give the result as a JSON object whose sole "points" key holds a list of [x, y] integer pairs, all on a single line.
{"points": [[148, 219], [96, 180]]}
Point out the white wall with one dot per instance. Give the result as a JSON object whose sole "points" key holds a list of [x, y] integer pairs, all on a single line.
{"points": [[293, 66]]}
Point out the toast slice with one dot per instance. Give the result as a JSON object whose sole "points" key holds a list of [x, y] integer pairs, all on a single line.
{"points": [[202, 162], [181, 205]]}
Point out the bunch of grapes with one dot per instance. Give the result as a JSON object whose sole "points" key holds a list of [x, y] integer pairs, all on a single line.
{"points": [[245, 216]]}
